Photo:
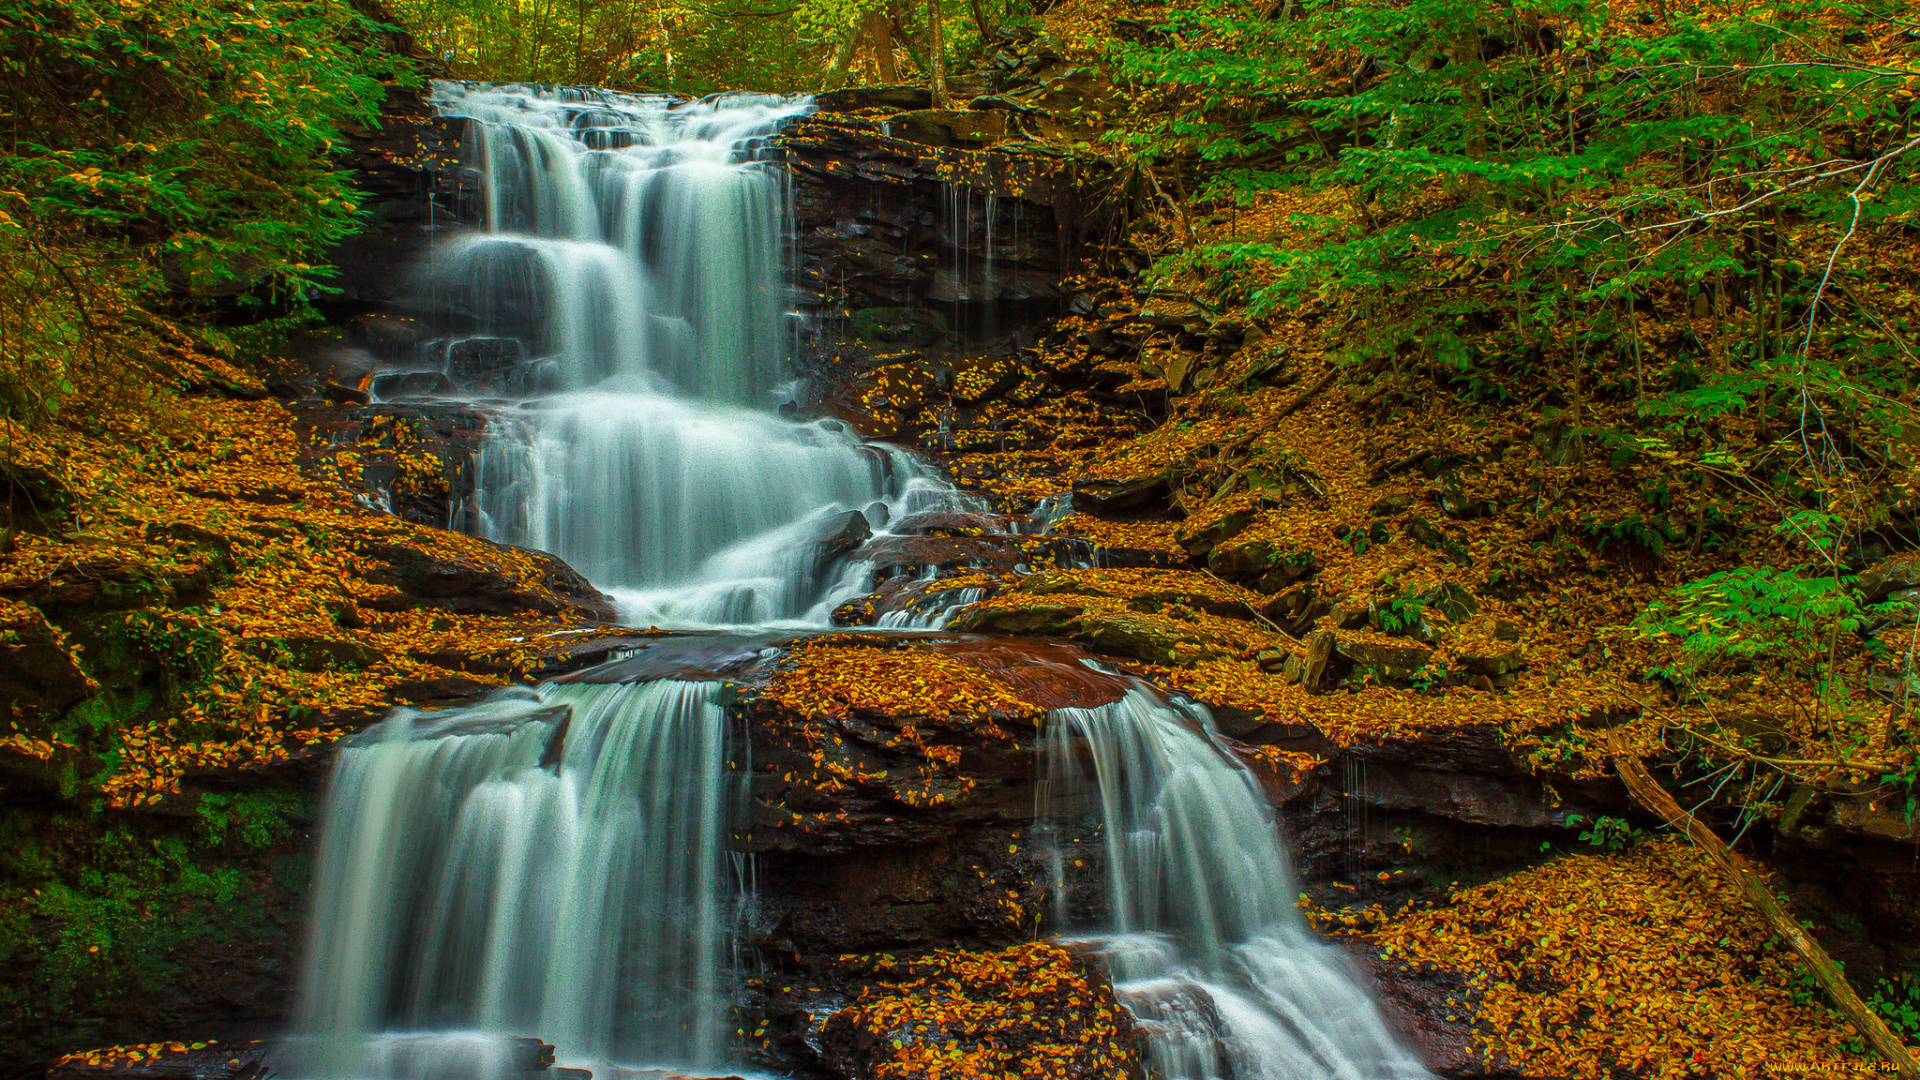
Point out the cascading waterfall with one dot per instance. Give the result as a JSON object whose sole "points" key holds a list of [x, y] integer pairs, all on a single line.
{"points": [[1202, 938], [550, 861], [558, 861], [633, 249]]}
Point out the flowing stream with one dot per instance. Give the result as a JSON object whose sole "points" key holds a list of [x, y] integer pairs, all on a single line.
{"points": [[563, 862]]}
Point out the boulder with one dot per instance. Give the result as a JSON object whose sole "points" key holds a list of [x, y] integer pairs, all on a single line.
{"points": [[1200, 536], [835, 536], [1146, 637], [1390, 659], [485, 362], [478, 584], [1103, 495], [1897, 573], [1268, 564], [1046, 619], [1489, 647], [1389, 505]]}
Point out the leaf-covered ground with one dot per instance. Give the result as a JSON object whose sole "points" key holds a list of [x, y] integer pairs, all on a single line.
{"points": [[205, 604], [1644, 964]]}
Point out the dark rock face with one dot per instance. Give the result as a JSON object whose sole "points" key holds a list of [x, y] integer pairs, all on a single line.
{"points": [[409, 169], [905, 240]]}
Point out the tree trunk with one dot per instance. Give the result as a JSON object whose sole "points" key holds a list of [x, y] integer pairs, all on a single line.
{"points": [[880, 34], [980, 20], [843, 56], [1649, 794], [937, 49]]}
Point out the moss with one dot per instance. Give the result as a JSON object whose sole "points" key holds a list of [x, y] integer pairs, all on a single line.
{"points": [[118, 927]]}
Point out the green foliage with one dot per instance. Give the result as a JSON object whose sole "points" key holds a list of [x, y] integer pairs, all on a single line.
{"points": [[1401, 613], [1897, 1000], [1553, 180], [679, 46], [1428, 678], [158, 159], [99, 915], [1611, 833], [1752, 613]]}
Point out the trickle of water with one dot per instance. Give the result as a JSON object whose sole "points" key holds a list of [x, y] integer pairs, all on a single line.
{"points": [[1202, 937]]}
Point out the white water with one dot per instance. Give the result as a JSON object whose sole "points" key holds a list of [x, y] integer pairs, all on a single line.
{"points": [[1203, 940], [551, 863], [635, 249]]}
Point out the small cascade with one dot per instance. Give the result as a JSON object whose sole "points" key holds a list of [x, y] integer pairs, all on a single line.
{"points": [[552, 860], [1202, 937]]}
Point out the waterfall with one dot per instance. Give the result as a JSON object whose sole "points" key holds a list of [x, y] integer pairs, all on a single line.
{"points": [[627, 290], [1201, 936], [559, 861], [550, 861]]}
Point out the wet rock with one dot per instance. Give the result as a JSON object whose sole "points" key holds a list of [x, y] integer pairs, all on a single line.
{"points": [[411, 384], [483, 362], [839, 535], [952, 523], [409, 170], [866, 238], [888, 401], [1066, 1016], [1435, 1008], [896, 555]]}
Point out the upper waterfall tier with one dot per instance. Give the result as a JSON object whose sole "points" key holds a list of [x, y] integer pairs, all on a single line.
{"points": [[625, 235], [627, 287]]}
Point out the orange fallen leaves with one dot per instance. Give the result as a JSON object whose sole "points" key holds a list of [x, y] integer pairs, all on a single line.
{"points": [[1640, 963]]}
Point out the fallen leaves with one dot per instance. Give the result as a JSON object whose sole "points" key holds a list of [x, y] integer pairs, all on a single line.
{"points": [[1640, 963]]}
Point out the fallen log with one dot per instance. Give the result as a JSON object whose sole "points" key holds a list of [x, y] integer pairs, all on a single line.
{"points": [[1649, 794]]}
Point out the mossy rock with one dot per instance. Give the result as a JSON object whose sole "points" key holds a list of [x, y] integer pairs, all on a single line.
{"points": [[1269, 565], [1198, 537], [1147, 638]]}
